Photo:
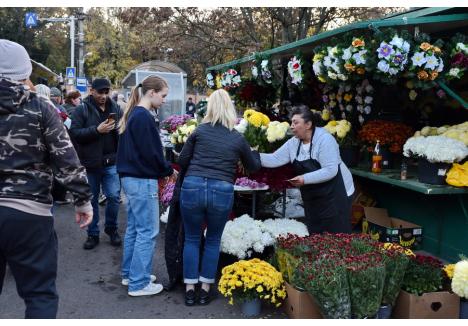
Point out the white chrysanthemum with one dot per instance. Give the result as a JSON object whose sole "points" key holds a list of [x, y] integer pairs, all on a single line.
{"points": [[436, 149], [283, 226], [317, 67], [165, 215], [242, 126], [368, 100], [327, 62], [254, 72], [460, 279]]}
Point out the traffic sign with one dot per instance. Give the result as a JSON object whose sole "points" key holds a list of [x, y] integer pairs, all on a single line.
{"points": [[71, 72], [30, 19], [81, 84]]}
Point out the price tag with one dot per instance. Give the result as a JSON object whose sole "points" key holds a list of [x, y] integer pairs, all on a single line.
{"points": [[442, 172]]}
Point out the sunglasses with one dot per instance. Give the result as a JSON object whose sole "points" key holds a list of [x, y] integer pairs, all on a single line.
{"points": [[103, 91]]}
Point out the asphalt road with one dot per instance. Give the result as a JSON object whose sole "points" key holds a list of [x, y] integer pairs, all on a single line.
{"points": [[89, 286]]}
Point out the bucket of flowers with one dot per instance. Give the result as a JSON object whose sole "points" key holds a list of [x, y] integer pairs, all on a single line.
{"points": [[171, 123], [458, 49], [249, 282], [392, 136], [436, 155], [422, 294], [344, 135]]}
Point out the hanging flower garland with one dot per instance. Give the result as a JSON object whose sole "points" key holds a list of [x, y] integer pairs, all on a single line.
{"points": [[348, 102], [393, 55], [210, 80], [458, 48], [426, 64], [262, 70], [295, 70], [230, 79], [328, 64], [357, 58]]}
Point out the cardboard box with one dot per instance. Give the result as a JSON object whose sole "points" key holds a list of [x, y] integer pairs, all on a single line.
{"points": [[300, 305], [361, 200], [433, 305], [384, 228]]}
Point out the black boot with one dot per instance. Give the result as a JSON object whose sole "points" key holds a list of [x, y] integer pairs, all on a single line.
{"points": [[115, 239], [91, 242]]}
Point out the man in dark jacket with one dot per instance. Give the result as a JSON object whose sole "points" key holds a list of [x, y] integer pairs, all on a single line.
{"points": [[94, 131], [34, 150]]}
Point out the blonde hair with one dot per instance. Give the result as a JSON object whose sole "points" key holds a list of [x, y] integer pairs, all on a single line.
{"points": [[221, 110], [151, 82]]}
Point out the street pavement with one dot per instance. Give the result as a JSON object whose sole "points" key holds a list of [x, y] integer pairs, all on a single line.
{"points": [[88, 282]]}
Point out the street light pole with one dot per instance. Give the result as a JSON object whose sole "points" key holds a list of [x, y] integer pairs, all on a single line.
{"points": [[71, 20]]}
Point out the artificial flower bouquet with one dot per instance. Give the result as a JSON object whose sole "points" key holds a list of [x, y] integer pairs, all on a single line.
{"points": [[252, 279], [295, 70], [171, 123], [245, 182], [230, 79], [328, 64], [180, 135], [262, 70], [390, 134], [346, 100], [393, 55], [458, 48], [423, 275], [436, 149], [426, 63]]}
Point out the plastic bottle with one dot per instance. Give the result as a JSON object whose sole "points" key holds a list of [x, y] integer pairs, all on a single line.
{"points": [[404, 171], [377, 159]]}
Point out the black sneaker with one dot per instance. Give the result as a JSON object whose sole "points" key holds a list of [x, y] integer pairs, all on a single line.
{"points": [[91, 242], [190, 297], [115, 239]]}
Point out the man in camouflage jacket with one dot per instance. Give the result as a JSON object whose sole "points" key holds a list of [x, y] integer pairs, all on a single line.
{"points": [[34, 149]]}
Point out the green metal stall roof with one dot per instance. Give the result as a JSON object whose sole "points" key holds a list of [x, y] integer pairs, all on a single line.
{"points": [[432, 19]]}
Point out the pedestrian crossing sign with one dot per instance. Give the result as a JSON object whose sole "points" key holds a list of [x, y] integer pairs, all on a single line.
{"points": [[30, 19], [70, 72]]}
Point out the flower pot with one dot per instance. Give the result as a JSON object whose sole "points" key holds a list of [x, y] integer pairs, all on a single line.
{"points": [[350, 156], [432, 173], [387, 158], [384, 312], [463, 308], [251, 308]]}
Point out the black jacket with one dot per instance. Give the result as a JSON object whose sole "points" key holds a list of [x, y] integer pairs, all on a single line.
{"points": [[213, 152], [89, 142]]}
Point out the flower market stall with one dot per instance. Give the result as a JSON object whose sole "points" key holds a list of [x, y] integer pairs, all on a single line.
{"points": [[393, 93]]}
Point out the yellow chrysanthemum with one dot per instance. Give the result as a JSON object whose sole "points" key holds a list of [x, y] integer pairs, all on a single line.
{"points": [[248, 113], [449, 269], [255, 119], [265, 120]]}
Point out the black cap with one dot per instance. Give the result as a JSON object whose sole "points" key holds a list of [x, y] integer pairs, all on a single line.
{"points": [[100, 83]]}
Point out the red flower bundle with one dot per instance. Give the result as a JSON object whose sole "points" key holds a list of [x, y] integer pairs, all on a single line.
{"points": [[390, 134]]}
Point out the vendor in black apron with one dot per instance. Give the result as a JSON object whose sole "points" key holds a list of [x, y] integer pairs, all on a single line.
{"points": [[327, 200]]}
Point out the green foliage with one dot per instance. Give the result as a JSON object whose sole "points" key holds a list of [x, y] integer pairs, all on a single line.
{"points": [[395, 268], [424, 274]]}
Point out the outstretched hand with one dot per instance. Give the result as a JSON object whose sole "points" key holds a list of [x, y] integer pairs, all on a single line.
{"points": [[297, 181]]}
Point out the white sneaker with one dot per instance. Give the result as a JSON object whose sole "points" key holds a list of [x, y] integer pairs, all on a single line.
{"points": [[126, 280], [150, 289]]}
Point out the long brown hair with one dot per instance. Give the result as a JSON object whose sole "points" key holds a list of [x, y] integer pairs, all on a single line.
{"points": [[151, 82]]}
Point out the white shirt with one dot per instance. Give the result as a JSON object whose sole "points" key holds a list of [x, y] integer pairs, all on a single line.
{"points": [[324, 149]]}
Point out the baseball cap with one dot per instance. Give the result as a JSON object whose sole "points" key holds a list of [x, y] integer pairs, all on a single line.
{"points": [[100, 83]]}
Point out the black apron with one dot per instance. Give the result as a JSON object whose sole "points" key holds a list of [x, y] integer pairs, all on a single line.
{"points": [[326, 205]]}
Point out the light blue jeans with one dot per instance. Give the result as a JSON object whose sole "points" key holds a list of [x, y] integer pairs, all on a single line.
{"points": [[142, 229], [204, 200]]}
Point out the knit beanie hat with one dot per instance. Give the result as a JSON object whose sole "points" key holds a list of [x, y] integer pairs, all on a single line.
{"points": [[14, 61]]}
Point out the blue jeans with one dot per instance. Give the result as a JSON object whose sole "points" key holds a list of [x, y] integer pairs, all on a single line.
{"points": [[204, 200], [110, 181], [142, 229]]}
